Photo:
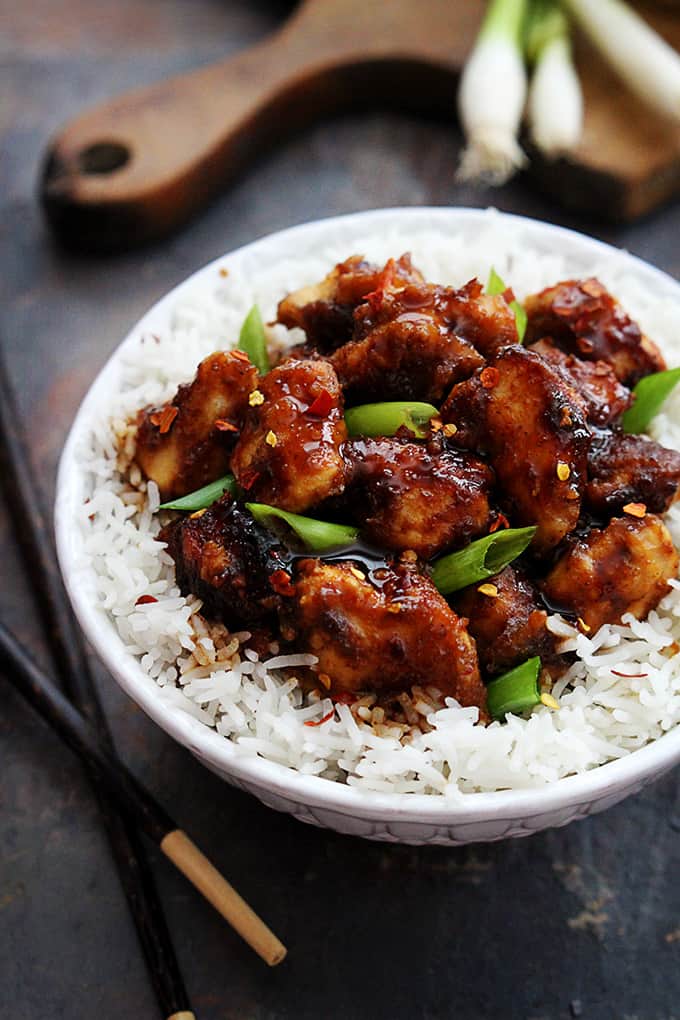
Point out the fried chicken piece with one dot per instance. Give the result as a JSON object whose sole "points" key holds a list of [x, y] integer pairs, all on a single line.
{"points": [[382, 636], [604, 397], [584, 319], [623, 568], [412, 496], [529, 421], [630, 469], [325, 310], [181, 446], [235, 567], [508, 626], [288, 453]]}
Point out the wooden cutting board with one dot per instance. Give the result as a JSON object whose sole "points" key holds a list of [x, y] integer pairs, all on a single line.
{"points": [[137, 167]]}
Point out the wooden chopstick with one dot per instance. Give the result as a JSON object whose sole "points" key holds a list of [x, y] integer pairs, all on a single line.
{"points": [[134, 798], [71, 662]]}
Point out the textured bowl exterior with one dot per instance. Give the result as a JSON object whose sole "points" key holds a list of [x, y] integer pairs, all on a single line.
{"points": [[398, 818]]}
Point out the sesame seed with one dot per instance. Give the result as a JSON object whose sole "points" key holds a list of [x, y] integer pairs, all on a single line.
{"points": [[489, 589], [450, 430], [436, 424], [563, 471], [583, 625], [197, 514], [270, 439], [256, 398], [549, 701], [357, 573], [635, 509]]}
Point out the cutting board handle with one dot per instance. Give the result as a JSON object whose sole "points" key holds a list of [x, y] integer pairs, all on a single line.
{"points": [[138, 166]]}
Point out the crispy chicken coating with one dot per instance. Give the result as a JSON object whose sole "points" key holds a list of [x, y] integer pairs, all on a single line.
{"points": [[186, 444], [604, 397], [529, 421], [325, 310], [630, 469], [623, 568], [507, 620], [288, 453], [583, 318], [412, 496], [231, 564], [382, 636]]}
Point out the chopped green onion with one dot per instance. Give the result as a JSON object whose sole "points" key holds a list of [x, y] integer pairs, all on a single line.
{"points": [[481, 559], [515, 691], [555, 105], [203, 498], [316, 536], [491, 95], [253, 341], [496, 285], [650, 394], [387, 418]]}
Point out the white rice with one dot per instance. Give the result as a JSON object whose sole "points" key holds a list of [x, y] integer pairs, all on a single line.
{"points": [[204, 671]]}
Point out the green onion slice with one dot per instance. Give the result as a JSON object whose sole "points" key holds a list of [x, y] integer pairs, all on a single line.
{"points": [[203, 498], [650, 394], [496, 285], [316, 536], [514, 691], [387, 418], [481, 559], [253, 341]]}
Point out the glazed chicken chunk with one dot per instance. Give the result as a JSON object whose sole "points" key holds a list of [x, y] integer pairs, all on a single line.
{"points": [[325, 310], [187, 443], [408, 495], [383, 636], [288, 453], [507, 620], [623, 568], [582, 317], [604, 398], [630, 469], [529, 421], [232, 565]]}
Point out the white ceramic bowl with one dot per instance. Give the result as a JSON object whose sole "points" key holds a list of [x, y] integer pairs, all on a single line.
{"points": [[398, 818]]}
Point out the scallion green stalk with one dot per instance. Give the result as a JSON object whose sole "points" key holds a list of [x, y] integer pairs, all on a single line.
{"points": [[481, 559], [496, 285], [555, 104], [316, 536], [491, 95], [203, 498], [253, 341], [645, 61], [650, 393], [387, 418], [515, 691]]}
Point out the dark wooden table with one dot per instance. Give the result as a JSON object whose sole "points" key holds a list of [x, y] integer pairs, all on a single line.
{"points": [[583, 921]]}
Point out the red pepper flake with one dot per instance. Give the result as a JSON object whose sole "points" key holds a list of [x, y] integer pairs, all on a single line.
{"points": [[225, 426], [248, 479], [322, 406], [319, 722], [281, 583], [240, 356], [145, 600], [489, 377], [383, 283], [630, 676], [500, 522], [635, 509], [164, 418], [584, 345]]}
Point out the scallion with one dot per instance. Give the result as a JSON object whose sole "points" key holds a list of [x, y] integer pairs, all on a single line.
{"points": [[496, 286], [203, 498], [645, 61], [650, 393], [386, 419], [481, 559], [491, 95], [555, 104], [514, 691], [316, 536], [253, 341]]}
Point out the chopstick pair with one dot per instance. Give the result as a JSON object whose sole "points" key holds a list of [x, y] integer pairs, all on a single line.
{"points": [[70, 658]]}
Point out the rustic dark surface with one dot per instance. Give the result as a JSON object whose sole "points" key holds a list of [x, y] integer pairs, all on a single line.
{"points": [[583, 921]]}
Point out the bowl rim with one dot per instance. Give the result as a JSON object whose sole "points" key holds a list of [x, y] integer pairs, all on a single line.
{"points": [[220, 753]]}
